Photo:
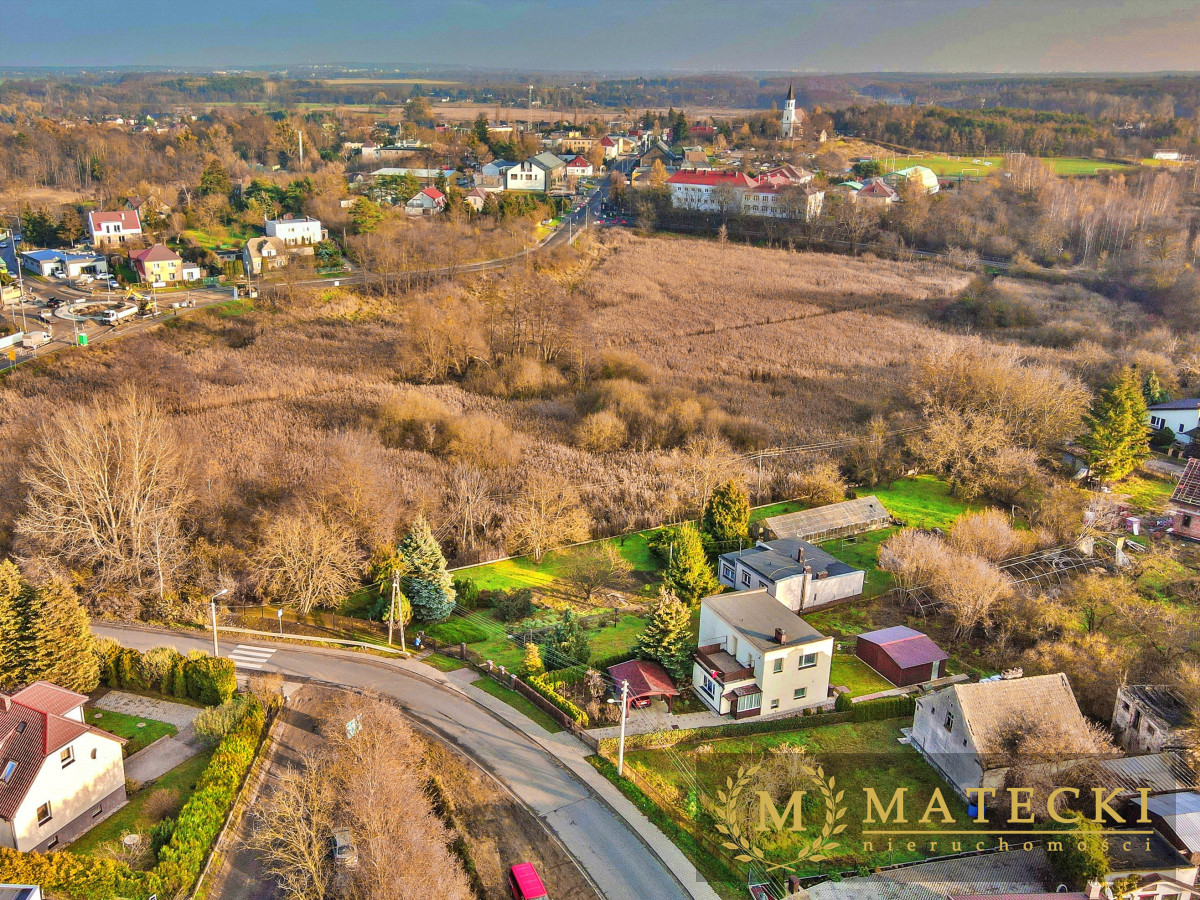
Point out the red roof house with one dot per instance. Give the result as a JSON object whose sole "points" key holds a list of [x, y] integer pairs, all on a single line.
{"points": [[647, 680], [108, 228], [901, 655], [58, 775]]}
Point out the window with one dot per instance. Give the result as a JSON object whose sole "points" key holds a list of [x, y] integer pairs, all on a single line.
{"points": [[21, 727], [709, 687], [750, 701], [93, 753], [800, 693], [774, 704], [808, 660], [746, 579], [67, 756], [53, 843], [99, 809], [43, 814], [761, 583], [778, 667], [727, 573], [9, 767], [949, 723], [1187, 522]]}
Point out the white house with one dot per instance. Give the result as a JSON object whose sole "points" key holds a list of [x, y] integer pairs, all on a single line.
{"points": [[801, 202], [72, 265], [579, 167], [544, 172], [960, 729], [1181, 416], [611, 147], [109, 228], [296, 232], [426, 203], [1167, 155], [58, 775], [757, 657], [709, 191], [798, 574], [491, 174]]}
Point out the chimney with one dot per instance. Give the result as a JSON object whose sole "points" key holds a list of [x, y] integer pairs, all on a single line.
{"points": [[808, 570], [1095, 890], [780, 636], [799, 554], [5, 702]]}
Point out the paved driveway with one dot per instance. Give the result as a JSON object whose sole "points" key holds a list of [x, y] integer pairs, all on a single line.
{"points": [[166, 753]]}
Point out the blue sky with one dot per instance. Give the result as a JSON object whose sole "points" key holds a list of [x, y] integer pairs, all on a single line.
{"points": [[611, 35]]}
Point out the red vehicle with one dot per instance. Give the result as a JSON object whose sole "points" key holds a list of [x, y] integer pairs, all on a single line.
{"points": [[525, 884]]}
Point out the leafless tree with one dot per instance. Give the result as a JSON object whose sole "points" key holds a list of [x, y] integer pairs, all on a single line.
{"points": [[307, 561], [547, 515], [595, 569]]}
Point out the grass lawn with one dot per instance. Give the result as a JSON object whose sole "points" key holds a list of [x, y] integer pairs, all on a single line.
{"points": [[443, 663], [954, 166], [221, 238], [134, 817], [496, 646], [850, 671], [1146, 491], [521, 704], [862, 551], [923, 501], [138, 731], [856, 754]]}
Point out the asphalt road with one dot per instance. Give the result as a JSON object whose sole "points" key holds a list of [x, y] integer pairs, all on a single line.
{"points": [[620, 864]]}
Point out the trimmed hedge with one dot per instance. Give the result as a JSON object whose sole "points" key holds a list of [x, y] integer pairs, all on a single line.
{"points": [[884, 708], [542, 685], [180, 860], [602, 663], [197, 676]]}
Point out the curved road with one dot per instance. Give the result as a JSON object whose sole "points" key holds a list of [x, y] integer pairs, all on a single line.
{"points": [[620, 864]]}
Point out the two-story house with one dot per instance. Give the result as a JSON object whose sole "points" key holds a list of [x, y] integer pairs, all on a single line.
{"points": [[1181, 416], [296, 232], [1149, 718], [160, 265], [757, 657], [491, 174], [798, 574], [58, 775], [544, 172], [112, 228], [262, 254], [426, 202]]}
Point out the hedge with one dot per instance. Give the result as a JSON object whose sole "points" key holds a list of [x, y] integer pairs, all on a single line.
{"points": [[197, 676], [604, 663], [180, 860], [542, 685]]}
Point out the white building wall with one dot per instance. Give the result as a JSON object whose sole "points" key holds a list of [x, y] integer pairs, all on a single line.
{"points": [[951, 750]]}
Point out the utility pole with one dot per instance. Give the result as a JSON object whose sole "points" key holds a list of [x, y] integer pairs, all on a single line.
{"points": [[300, 135], [213, 603], [392, 605], [624, 716]]}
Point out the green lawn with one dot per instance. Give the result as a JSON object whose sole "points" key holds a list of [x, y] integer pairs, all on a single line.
{"points": [[850, 671], [1146, 491], [221, 238], [140, 732], [517, 702], [923, 501], [857, 755], [862, 551], [443, 663], [134, 817], [954, 166]]}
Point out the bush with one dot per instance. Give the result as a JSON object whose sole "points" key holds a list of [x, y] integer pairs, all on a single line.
{"points": [[209, 679], [216, 722], [511, 606], [542, 685], [884, 708], [843, 703], [157, 665], [161, 834], [467, 593], [456, 631]]}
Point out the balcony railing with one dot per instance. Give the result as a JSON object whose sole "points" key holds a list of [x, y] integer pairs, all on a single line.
{"points": [[721, 666]]}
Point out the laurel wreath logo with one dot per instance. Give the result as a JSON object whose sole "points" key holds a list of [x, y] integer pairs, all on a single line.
{"points": [[743, 844]]}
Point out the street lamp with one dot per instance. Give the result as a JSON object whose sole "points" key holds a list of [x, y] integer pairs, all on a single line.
{"points": [[624, 701], [213, 603]]}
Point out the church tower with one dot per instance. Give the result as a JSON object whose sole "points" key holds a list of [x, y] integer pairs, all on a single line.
{"points": [[789, 113]]}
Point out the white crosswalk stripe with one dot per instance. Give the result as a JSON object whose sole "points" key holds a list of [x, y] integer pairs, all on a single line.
{"points": [[247, 656]]}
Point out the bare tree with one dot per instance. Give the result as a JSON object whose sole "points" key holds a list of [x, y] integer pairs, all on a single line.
{"points": [[307, 561], [548, 514], [107, 493], [594, 569]]}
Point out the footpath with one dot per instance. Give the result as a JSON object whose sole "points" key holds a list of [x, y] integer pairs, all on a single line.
{"points": [[573, 754]]}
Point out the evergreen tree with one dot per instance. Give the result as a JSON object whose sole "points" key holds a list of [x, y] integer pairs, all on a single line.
{"points": [[532, 663], [566, 643], [424, 578], [1153, 390], [1117, 437], [215, 180], [60, 640], [689, 576], [12, 626], [666, 639], [726, 519], [480, 128]]}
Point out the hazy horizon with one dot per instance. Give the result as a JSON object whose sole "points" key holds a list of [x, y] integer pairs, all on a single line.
{"points": [[965, 37]]}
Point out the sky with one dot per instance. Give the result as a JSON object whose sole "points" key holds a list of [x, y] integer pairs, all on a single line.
{"points": [[611, 36]]}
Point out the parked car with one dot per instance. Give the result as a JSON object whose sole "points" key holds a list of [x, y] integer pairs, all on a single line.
{"points": [[525, 883], [46, 315], [344, 851], [114, 284], [54, 303]]}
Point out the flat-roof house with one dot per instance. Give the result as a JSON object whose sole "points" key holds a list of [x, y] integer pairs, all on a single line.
{"points": [[1185, 502], [491, 174], [757, 657], [1149, 718], [72, 265], [1181, 416], [296, 232], [902, 655], [960, 729], [58, 775], [825, 523], [798, 574], [112, 228]]}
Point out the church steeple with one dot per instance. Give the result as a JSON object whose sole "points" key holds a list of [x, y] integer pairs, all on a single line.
{"points": [[791, 94], [788, 124]]}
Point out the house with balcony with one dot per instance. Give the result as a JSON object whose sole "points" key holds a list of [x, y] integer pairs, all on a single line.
{"points": [[296, 231], [798, 574], [757, 657]]}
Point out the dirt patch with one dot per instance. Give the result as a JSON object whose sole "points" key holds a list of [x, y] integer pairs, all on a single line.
{"points": [[500, 831]]}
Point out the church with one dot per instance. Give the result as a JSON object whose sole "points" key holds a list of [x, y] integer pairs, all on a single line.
{"points": [[793, 119]]}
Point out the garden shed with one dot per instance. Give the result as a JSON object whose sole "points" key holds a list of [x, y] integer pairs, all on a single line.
{"points": [[825, 523], [901, 655]]}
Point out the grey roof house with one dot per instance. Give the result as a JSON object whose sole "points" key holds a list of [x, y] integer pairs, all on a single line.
{"points": [[798, 574]]}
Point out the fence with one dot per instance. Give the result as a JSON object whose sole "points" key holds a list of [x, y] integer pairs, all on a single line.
{"points": [[510, 680]]}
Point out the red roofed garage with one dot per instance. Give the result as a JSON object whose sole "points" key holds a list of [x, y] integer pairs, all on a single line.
{"points": [[647, 681], [901, 655]]}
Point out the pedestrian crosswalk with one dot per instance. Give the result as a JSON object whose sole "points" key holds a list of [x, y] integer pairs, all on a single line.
{"points": [[250, 657]]}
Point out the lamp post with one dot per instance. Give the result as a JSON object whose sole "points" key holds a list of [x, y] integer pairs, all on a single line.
{"points": [[624, 715], [213, 603], [279, 615]]}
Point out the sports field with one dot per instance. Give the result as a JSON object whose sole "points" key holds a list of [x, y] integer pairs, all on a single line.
{"points": [[979, 166]]}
